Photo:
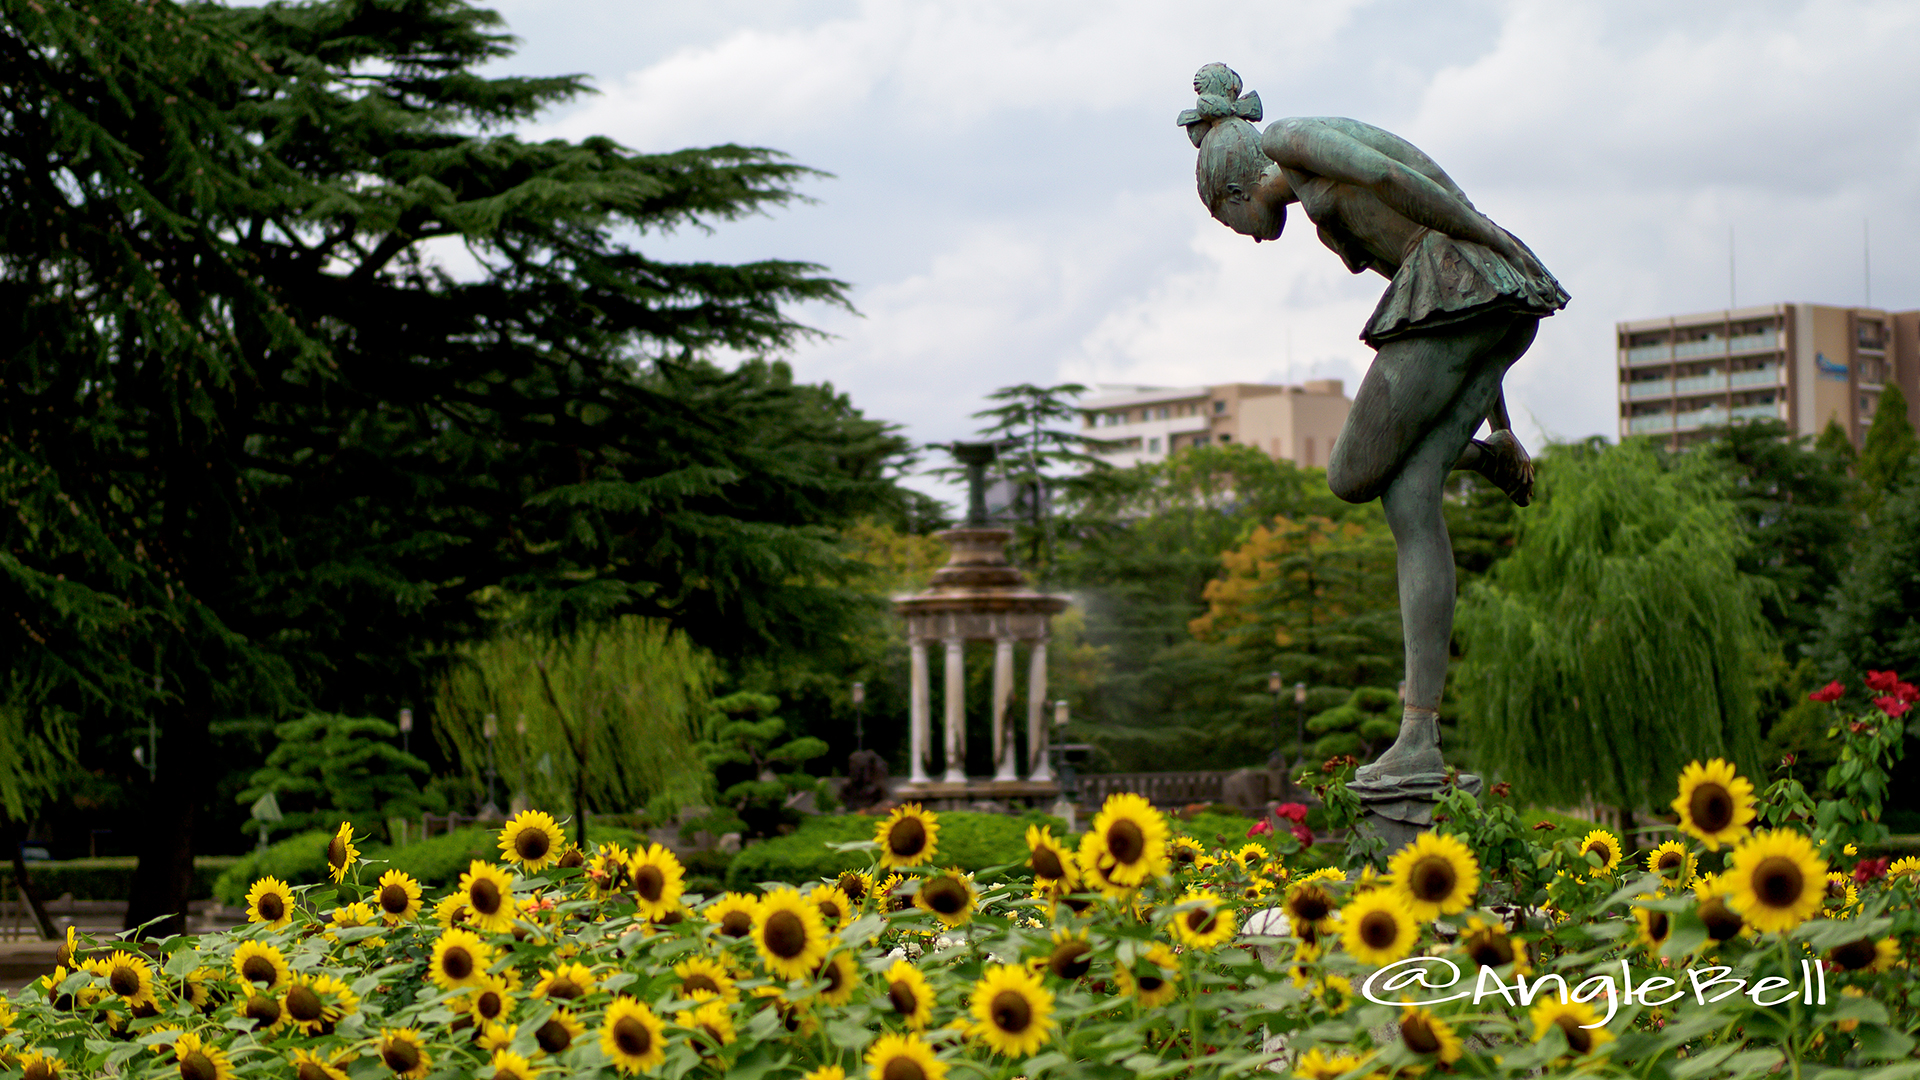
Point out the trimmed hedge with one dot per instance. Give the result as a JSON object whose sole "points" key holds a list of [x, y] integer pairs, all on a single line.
{"points": [[108, 878], [968, 839]]}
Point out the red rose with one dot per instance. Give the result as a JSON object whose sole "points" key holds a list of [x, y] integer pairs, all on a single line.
{"points": [[1292, 811], [1261, 828], [1303, 834], [1906, 691], [1892, 706], [1830, 692], [1882, 681], [1868, 870]]}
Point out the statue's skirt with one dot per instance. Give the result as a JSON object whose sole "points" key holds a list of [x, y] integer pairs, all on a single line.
{"points": [[1446, 280]]}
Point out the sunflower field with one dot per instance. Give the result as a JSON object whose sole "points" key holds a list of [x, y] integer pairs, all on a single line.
{"points": [[1757, 941]]}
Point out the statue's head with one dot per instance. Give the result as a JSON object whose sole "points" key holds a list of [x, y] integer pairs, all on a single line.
{"points": [[1232, 165]]}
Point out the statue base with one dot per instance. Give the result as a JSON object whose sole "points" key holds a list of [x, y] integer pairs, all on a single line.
{"points": [[1399, 808]]}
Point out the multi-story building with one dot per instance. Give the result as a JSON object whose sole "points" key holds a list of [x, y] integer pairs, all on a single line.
{"points": [[1804, 364], [1150, 423]]}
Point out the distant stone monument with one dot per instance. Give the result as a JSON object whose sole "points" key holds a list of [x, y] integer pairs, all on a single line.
{"points": [[1463, 302], [978, 596]]}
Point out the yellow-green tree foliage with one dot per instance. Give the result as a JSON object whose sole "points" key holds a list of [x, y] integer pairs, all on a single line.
{"points": [[602, 719]]}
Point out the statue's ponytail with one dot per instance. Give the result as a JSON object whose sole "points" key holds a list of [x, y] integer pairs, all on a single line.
{"points": [[1219, 88]]}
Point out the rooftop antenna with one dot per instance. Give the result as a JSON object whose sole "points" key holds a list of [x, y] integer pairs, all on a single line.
{"points": [[1731, 302], [1866, 262]]}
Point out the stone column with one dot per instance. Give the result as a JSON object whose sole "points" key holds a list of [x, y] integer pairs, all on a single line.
{"points": [[956, 703], [1039, 766], [1006, 749], [919, 715]]}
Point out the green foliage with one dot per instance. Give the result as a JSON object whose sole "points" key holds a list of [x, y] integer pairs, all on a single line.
{"points": [[747, 749], [602, 718], [300, 859], [968, 840], [1872, 618], [107, 878], [1886, 454], [436, 862], [1361, 726], [328, 768], [1037, 457], [1620, 640]]}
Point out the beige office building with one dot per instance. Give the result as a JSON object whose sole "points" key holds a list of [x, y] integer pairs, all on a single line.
{"points": [[1151, 423], [1801, 363]]}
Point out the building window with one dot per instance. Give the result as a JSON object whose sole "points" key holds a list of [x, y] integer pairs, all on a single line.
{"points": [[1153, 446], [1199, 440], [1226, 436], [1219, 407]]}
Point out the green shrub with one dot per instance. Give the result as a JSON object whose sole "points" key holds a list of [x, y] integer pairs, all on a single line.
{"points": [[106, 878], [968, 840], [300, 859]]}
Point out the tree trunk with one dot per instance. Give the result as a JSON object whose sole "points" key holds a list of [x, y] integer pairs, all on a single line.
{"points": [[24, 882], [163, 880]]}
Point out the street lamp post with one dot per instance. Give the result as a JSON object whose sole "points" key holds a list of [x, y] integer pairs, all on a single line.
{"points": [[1300, 717], [406, 731], [859, 708], [1273, 687], [490, 728]]}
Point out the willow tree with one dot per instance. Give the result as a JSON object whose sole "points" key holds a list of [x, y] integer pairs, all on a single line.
{"points": [[1620, 640], [607, 717]]}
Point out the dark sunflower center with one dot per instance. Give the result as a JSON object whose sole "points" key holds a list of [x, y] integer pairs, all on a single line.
{"points": [[1670, 860], [698, 981], [303, 1004], [1201, 921], [1711, 808], [1125, 842], [632, 1037], [532, 844], [1311, 905], [907, 838], [1150, 983], [1601, 849], [394, 900], [1379, 929], [1657, 925], [490, 1005], [307, 1070], [946, 896], [124, 980], [786, 935], [553, 1036], [44, 1070], [649, 882], [902, 1068], [564, 988], [1432, 879], [1579, 1039], [1777, 881], [1419, 1035], [484, 896], [1854, 955], [456, 963], [257, 969], [1721, 921], [1491, 950], [736, 924], [854, 887], [271, 907], [1011, 1011], [197, 1066], [830, 909], [336, 853], [1183, 855], [265, 1010], [901, 996], [400, 1055], [831, 973], [572, 859], [1046, 863], [1070, 959]]}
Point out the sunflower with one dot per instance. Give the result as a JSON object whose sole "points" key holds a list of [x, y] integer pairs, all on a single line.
{"points": [[1152, 978], [487, 892], [1012, 1012], [733, 913], [197, 987], [404, 1053], [490, 1000], [1722, 922], [949, 896], [531, 840], [856, 886], [1775, 880], [1377, 927], [1574, 1019], [270, 901], [398, 896], [1488, 945], [200, 1060], [1864, 954], [840, 976], [39, 1065], [1905, 868], [309, 1065], [1715, 803], [451, 910], [699, 973], [317, 1002], [1428, 1035], [1603, 845], [788, 933], [795, 1017], [265, 1011], [460, 958], [558, 1032], [1654, 926], [507, 1065], [1050, 861], [1841, 895], [607, 871], [1253, 857], [632, 1037], [903, 1057], [1672, 861], [1333, 991], [497, 1036], [1201, 922], [1071, 955], [908, 837], [833, 904], [565, 982], [1309, 908], [1185, 851], [350, 915], [1435, 875], [657, 879], [908, 993], [1317, 1064], [261, 965], [1129, 840], [128, 976], [341, 854], [711, 1019]]}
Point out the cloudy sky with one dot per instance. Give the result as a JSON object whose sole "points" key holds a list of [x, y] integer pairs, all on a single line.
{"points": [[1012, 202]]}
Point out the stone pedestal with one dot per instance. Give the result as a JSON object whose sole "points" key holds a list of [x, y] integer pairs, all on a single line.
{"points": [[1400, 808]]}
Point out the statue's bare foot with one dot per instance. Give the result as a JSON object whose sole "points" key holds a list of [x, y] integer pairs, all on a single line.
{"points": [[1415, 751], [1505, 462]]}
